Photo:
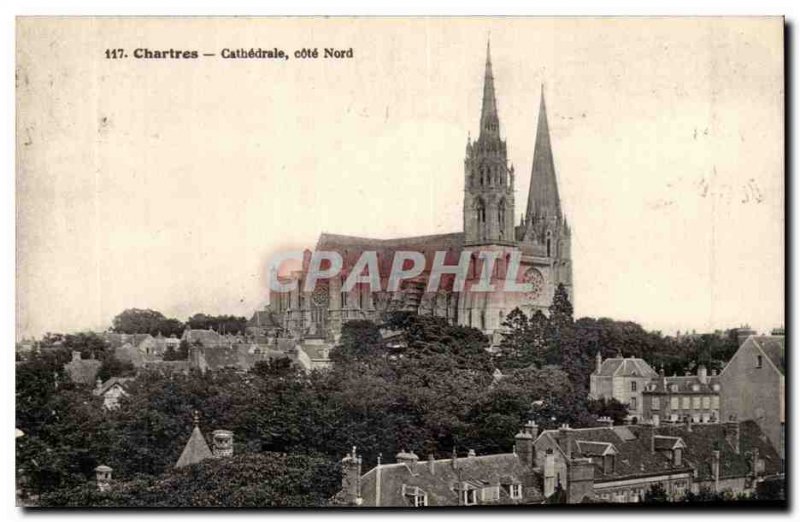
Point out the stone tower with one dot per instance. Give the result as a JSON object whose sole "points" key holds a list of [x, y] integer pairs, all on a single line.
{"points": [[544, 232], [488, 180]]}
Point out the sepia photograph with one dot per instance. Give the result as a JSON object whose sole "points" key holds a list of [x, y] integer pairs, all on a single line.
{"points": [[400, 262]]}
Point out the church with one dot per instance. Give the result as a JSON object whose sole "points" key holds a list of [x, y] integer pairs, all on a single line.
{"points": [[541, 242]]}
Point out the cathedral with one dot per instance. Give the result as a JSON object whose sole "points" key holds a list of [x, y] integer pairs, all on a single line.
{"points": [[541, 240]]}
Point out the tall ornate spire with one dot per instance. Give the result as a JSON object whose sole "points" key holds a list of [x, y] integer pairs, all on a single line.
{"points": [[490, 124], [543, 200]]}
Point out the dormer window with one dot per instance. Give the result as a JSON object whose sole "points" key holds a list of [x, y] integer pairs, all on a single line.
{"points": [[674, 387], [415, 496], [469, 497], [715, 387], [490, 493]]}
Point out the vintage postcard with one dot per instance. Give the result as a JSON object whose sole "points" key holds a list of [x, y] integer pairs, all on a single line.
{"points": [[400, 262]]}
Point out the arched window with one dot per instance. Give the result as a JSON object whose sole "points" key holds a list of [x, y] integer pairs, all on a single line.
{"points": [[548, 243], [501, 217], [481, 216]]}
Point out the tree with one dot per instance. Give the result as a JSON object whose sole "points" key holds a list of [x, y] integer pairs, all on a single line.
{"points": [[225, 324], [524, 341], [136, 321], [254, 480], [611, 408], [360, 339]]}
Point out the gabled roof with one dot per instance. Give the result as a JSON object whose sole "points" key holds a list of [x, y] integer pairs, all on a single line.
{"points": [[110, 383], [633, 458], [684, 384], [196, 450], [264, 319], [204, 337], [440, 480], [705, 438], [83, 371], [626, 367], [773, 346]]}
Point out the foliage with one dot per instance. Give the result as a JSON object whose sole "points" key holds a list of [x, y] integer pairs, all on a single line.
{"points": [[225, 324], [249, 480], [137, 321]]}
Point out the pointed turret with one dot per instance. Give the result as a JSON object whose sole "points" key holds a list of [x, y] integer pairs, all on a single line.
{"points": [[488, 180], [543, 200], [196, 449], [490, 123]]}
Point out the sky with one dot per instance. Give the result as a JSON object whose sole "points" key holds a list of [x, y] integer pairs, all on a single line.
{"points": [[169, 184]]}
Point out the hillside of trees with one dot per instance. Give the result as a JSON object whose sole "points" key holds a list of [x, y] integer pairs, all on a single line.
{"points": [[436, 392]]}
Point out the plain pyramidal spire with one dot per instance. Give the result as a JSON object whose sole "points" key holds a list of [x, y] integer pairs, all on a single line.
{"points": [[490, 124], [543, 199]]}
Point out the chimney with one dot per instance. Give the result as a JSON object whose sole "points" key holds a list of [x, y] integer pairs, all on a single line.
{"points": [[524, 445], [454, 459], [76, 356], [351, 478], [702, 374], [605, 422], [598, 360], [98, 384], [431, 464], [223, 443], [732, 433], [531, 428], [471, 453], [647, 432], [408, 458], [564, 440], [688, 424], [103, 477]]}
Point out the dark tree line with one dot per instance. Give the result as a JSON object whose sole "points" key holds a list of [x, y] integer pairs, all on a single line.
{"points": [[137, 321]]}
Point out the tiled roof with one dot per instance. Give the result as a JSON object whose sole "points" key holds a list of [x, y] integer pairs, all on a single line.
{"points": [[702, 440], [440, 480], [619, 366], [264, 319], [351, 249], [633, 459], [204, 337], [685, 384], [773, 346], [239, 356], [83, 371], [110, 383], [196, 450], [116, 340]]}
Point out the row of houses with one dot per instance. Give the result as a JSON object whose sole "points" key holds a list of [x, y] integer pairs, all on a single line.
{"points": [[207, 350], [750, 387]]}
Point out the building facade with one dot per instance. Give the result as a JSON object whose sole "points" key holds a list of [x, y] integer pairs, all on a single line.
{"points": [[753, 386], [620, 464], [542, 239], [679, 399], [622, 379]]}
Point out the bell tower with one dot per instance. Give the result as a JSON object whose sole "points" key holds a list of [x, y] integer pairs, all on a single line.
{"points": [[488, 180]]}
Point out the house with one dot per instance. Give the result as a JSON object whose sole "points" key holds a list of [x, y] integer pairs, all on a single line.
{"points": [[623, 379], [111, 391], [197, 450], [206, 338], [753, 386], [82, 371], [677, 398], [313, 354], [499, 479], [263, 324], [620, 464]]}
